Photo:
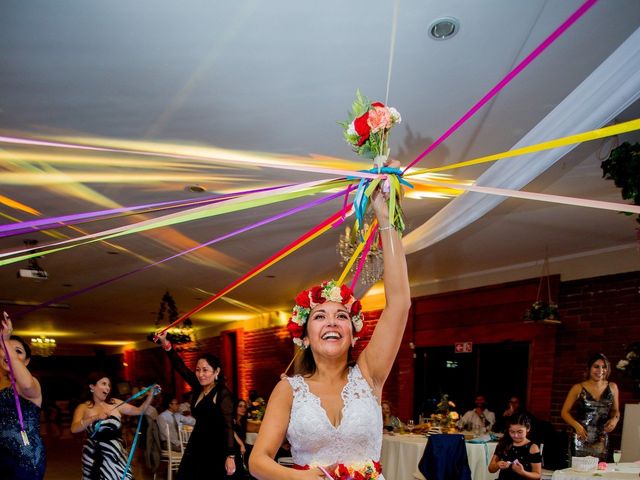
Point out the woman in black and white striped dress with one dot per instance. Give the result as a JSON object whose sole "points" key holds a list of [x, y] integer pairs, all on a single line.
{"points": [[103, 454]]}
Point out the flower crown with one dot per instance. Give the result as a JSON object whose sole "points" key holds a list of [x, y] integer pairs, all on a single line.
{"points": [[329, 291]]}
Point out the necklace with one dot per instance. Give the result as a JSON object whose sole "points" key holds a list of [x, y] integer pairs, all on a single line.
{"points": [[207, 389]]}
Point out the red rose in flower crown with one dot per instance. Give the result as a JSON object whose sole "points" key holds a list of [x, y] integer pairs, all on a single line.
{"points": [[325, 292]]}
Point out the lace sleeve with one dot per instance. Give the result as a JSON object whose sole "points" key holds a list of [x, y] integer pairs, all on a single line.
{"points": [[226, 406]]}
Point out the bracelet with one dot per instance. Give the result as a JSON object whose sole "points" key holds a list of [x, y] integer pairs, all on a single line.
{"points": [[390, 227]]}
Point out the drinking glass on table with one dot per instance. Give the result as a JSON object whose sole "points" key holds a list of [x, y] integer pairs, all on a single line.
{"points": [[617, 454], [410, 425]]}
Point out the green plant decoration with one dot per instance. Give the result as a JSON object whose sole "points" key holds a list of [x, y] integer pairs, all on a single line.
{"points": [[542, 311], [177, 335], [623, 167]]}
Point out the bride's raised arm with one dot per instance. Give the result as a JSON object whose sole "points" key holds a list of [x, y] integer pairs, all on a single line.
{"points": [[376, 360]]}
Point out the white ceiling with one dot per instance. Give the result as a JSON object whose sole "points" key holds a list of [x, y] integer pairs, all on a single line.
{"points": [[271, 80]]}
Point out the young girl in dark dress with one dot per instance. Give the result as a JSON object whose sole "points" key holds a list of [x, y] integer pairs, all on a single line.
{"points": [[516, 456]]}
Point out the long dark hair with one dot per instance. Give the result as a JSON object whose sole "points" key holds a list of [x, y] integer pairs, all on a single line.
{"points": [[215, 363], [25, 346], [506, 442], [243, 419], [93, 379], [594, 358]]}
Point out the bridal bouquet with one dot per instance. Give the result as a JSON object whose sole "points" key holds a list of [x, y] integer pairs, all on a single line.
{"points": [[369, 470], [367, 129]]}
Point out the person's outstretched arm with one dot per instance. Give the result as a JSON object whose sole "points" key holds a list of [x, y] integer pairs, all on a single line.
{"points": [[377, 358], [178, 364], [26, 384]]}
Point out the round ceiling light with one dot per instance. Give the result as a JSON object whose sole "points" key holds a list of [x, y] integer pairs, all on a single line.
{"points": [[444, 28]]}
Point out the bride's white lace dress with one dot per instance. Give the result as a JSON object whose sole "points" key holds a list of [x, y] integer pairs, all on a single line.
{"points": [[315, 441]]}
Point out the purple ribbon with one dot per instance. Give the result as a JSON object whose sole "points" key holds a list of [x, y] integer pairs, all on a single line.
{"points": [[54, 222], [265, 221], [25, 439]]}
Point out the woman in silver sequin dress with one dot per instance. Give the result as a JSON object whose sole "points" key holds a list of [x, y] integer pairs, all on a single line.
{"points": [[595, 410]]}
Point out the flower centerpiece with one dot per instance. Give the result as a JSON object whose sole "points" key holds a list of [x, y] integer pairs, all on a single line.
{"points": [[630, 364], [258, 407], [445, 417]]}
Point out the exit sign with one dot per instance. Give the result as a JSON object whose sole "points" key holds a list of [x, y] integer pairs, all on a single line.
{"points": [[463, 347]]}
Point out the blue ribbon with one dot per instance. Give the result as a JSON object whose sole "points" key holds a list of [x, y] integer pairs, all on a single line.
{"points": [[361, 201], [156, 391], [133, 448]]}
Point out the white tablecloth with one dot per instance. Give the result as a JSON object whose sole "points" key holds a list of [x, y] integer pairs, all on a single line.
{"points": [[401, 453], [623, 471], [251, 438]]}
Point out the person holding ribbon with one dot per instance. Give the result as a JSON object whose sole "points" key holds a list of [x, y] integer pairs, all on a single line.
{"points": [[210, 452], [22, 453], [103, 453], [330, 411]]}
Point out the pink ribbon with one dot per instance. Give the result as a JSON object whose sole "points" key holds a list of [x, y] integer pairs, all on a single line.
{"points": [[510, 76]]}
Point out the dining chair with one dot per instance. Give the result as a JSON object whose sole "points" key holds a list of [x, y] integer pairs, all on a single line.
{"points": [[172, 458], [185, 433], [445, 458]]}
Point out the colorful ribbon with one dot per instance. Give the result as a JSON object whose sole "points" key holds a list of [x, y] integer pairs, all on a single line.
{"points": [[618, 129], [510, 76], [247, 228], [315, 232], [391, 178], [156, 391]]}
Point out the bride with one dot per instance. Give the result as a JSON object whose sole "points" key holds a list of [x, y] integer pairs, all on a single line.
{"points": [[330, 412]]}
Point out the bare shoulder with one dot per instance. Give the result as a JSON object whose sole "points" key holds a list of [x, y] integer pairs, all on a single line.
{"points": [[282, 392], [576, 389], [613, 387]]}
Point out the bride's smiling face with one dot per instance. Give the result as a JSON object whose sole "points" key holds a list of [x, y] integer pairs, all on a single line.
{"points": [[329, 328]]}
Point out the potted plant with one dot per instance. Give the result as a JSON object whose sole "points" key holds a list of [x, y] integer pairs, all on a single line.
{"points": [[541, 311], [630, 364], [623, 167], [176, 335]]}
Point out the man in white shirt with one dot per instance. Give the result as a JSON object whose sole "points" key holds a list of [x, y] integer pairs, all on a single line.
{"points": [[174, 419], [479, 419]]}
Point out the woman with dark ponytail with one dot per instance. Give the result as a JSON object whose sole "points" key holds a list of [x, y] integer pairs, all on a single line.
{"points": [[211, 448]]}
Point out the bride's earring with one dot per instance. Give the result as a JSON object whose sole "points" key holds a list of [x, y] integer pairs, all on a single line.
{"points": [[353, 341]]}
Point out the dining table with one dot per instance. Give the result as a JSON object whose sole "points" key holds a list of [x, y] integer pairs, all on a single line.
{"points": [[621, 471], [401, 454]]}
